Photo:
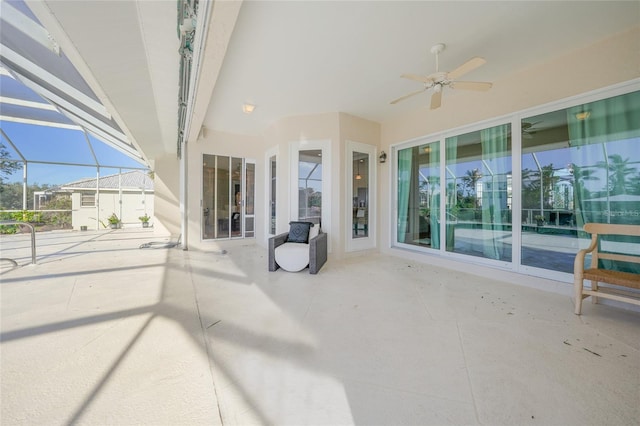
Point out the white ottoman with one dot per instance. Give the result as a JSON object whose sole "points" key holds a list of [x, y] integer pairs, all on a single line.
{"points": [[292, 257]]}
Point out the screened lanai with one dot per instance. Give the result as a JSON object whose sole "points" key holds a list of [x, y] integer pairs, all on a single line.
{"points": [[54, 129]]}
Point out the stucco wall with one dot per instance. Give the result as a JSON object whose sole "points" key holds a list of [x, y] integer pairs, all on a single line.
{"points": [[166, 184], [128, 212]]}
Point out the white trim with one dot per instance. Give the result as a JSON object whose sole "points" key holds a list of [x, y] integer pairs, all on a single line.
{"points": [[28, 104], [271, 152], [370, 241], [63, 86], [325, 146], [243, 210], [56, 125], [29, 27]]}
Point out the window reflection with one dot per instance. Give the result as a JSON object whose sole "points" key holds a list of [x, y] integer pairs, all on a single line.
{"points": [[272, 195], [478, 208], [310, 185], [419, 195], [579, 165], [360, 179]]}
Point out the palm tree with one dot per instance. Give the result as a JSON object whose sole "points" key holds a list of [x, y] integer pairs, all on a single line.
{"points": [[619, 171], [581, 175], [470, 181]]}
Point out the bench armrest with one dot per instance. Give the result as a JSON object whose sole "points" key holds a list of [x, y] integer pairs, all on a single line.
{"points": [[275, 242], [578, 263]]}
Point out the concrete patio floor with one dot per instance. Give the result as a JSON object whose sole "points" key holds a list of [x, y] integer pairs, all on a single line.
{"points": [[103, 332]]}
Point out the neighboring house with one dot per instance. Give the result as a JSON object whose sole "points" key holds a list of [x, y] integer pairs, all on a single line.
{"points": [[129, 195]]}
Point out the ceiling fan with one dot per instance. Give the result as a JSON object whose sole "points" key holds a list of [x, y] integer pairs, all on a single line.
{"points": [[439, 79], [528, 129]]}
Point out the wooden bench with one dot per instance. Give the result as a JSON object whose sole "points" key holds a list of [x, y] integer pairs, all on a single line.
{"points": [[598, 275]]}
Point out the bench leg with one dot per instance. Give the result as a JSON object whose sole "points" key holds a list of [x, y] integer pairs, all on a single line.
{"points": [[577, 292], [594, 287]]}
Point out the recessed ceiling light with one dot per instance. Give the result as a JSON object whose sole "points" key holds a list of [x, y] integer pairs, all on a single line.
{"points": [[248, 108]]}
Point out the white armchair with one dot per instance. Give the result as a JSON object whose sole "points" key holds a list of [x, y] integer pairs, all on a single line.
{"points": [[295, 256]]}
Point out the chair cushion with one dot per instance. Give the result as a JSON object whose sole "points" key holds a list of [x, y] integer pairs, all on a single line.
{"points": [[299, 232], [292, 257]]}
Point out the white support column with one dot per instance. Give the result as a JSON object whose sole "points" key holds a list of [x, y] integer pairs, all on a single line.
{"points": [[184, 198], [97, 198], [24, 185]]}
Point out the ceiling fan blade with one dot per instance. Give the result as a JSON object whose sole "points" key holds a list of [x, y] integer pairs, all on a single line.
{"points": [[526, 125], [402, 98], [416, 77], [436, 99], [468, 66], [471, 85]]}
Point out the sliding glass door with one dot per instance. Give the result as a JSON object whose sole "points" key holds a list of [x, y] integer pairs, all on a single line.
{"points": [[228, 193], [478, 209], [419, 195], [579, 165], [574, 165]]}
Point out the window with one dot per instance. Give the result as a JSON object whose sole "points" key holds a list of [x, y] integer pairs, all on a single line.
{"points": [[360, 209], [419, 195], [310, 185], [478, 212], [88, 199], [360, 206], [273, 184], [579, 165]]}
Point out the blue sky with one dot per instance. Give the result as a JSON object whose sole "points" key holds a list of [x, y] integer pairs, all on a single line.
{"points": [[43, 143]]}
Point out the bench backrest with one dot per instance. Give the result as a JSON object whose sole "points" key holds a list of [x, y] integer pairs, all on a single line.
{"points": [[596, 229], [611, 229]]}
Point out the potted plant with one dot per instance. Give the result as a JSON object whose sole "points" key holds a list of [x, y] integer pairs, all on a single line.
{"points": [[113, 220], [145, 220], [539, 219]]}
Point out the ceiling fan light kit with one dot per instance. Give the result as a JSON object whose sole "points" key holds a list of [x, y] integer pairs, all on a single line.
{"points": [[439, 79]]}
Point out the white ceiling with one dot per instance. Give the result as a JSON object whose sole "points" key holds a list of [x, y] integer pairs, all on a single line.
{"points": [[306, 57], [296, 58]]}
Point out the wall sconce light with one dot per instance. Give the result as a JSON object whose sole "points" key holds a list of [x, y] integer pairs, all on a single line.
{"points": [[248, 108], [383, 157]]}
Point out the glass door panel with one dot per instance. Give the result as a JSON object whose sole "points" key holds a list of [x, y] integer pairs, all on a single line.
{"points": [[579, 165], [223, 197], [208, 197], [360, 216], [478, 209], [272, 194], [236, 200], [310, 185], [419, 195], [249, 202]]}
